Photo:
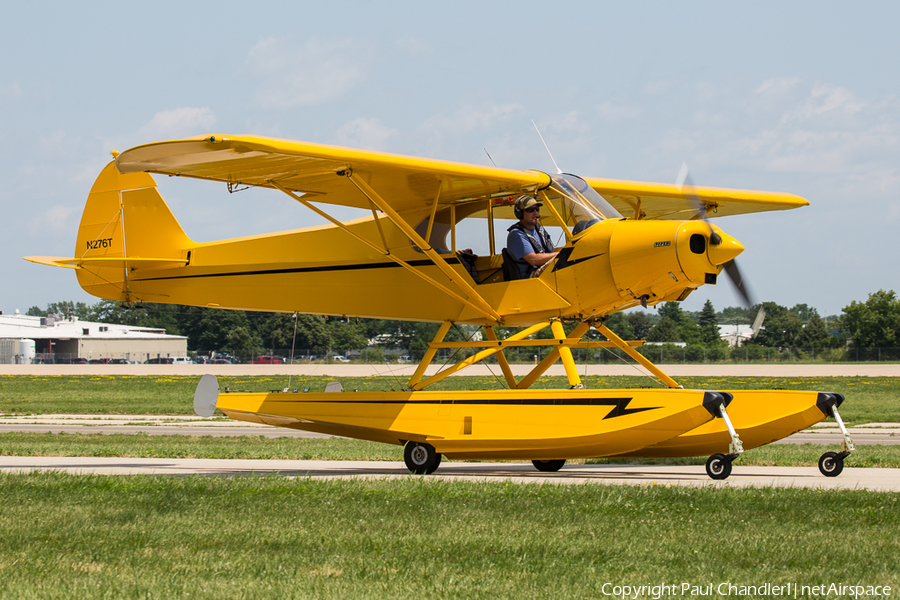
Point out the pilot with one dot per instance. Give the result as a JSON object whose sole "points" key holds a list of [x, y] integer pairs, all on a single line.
{"points": [[528, 242]]}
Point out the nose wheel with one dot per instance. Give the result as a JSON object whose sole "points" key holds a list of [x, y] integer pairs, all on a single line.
{"points": [[718, 466], [832, 463], [420, 458]]}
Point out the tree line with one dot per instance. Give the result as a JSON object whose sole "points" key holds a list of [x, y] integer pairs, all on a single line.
{"points": [[874, 323]]}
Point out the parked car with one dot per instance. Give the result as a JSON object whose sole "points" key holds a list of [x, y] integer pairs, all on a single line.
{"points": [[220, 361], [181, 360], [162, 360], [339, 358], [267, 360]]}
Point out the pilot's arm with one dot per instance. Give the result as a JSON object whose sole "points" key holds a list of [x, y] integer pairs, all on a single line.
{"points": [[536, 259]]}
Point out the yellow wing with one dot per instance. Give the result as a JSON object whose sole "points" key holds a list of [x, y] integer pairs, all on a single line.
{"points": [[638, 200], [410, 183], [405, 182]]}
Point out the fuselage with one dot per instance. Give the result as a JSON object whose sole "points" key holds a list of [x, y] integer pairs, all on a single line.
{"points": [[371, 268]]}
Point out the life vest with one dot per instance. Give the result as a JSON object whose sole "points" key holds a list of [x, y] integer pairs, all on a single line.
{"points": [[536, 245], [535, 242]]}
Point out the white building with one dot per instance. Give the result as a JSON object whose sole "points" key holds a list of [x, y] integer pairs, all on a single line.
{"points": [[735, 334], [25, 339]]}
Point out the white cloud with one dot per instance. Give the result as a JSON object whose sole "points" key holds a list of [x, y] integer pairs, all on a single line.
{"points": [[368, 134], [56, 219], [790, 126], [610, 111], [471, 118], [441, 134], [315, 72], [778, 86], [178, 122]]}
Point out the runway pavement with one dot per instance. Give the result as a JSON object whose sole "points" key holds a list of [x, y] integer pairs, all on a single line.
{"points": [[805, 477], [742, 477], [821, 433], [146, 424]]}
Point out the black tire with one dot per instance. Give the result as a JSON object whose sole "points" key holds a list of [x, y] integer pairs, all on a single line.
{"points": [[421, 459], [718, 466], [548, 466], [831, 464]]}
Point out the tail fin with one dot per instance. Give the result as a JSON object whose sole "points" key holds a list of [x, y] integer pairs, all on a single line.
{"points": [[126, 225]]}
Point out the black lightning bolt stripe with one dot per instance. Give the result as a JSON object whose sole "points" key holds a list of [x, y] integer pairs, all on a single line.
{"points": [[356, 267], [620, 405], [563, 260]]}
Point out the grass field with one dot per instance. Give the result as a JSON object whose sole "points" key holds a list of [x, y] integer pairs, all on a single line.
{"points": [[868, 398], [258, 447], [70, 536]]}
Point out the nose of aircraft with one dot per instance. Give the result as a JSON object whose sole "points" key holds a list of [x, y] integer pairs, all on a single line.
{"points": [[724, 251]]}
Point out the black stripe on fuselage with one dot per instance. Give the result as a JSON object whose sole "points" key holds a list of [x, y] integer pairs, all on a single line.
{"points": [[324, 269], [620, 405], [563, 261]]}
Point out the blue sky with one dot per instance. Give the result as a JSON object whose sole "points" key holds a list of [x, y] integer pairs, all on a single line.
{"points": [[799, 97]]}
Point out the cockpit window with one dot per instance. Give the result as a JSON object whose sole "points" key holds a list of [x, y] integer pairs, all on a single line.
{"points": [[576, 203], [581, 205]]}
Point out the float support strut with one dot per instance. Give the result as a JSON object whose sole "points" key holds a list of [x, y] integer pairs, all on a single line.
{"points": [[668, 381], [501, 358], [553, 356]]}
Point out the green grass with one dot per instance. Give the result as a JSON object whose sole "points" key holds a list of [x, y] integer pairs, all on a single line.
{"points": [[141, 445], [258, 447], [868, 398], [67, 536]]}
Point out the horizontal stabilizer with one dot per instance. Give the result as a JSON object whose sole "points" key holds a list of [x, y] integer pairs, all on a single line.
{"points": [[102, 261], [53, 261]]}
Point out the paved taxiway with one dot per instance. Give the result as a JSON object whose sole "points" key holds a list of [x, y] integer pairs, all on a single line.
{"points": [[798, 477], [791, 477], [823, 433]]}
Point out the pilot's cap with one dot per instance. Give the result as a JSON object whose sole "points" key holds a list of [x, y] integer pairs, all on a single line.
{"points": [[523, 203]]}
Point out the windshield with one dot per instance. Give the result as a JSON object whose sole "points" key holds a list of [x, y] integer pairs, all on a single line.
{"points": [[582, 206]]}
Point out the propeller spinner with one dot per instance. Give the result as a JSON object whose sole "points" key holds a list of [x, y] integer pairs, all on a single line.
{"points": [[721, 246]]}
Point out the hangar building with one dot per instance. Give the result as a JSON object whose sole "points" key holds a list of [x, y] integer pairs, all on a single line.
{"points": [[25, 339]]}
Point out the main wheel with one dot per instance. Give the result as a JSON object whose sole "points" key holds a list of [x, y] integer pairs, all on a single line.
{"points": [[421, 459], [549, 466], [831, 464], [718, 466]]}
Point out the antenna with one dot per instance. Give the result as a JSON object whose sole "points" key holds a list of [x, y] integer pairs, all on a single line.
{"points": [[558, 171], [489, 156]]}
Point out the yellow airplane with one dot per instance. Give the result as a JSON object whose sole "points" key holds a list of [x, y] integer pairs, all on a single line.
{"points": [[626, 244]]}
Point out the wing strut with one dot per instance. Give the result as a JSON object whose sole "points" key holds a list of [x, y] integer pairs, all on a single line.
{"points": [[387, 253], [482, 306]]}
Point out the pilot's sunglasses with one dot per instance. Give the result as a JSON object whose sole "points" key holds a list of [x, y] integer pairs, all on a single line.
{"points": [[533, 209]]}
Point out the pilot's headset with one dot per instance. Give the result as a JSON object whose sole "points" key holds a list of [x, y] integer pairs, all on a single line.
{"points": [[521, 203]]}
